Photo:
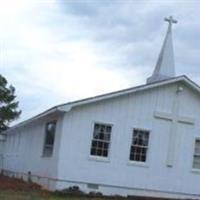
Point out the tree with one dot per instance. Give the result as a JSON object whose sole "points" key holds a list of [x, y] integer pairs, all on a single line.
{"points": [[8, 105]]}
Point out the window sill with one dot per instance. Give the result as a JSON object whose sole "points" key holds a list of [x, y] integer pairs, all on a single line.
{"points": [[46, 157], [139, 164], [98, 159], [196, 171]]}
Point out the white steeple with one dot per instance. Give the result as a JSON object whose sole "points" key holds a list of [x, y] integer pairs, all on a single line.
{"points": [[165, 67]]}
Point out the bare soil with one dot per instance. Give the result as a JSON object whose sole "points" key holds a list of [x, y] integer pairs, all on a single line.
{"points": [[16, 189], [13, 184]]}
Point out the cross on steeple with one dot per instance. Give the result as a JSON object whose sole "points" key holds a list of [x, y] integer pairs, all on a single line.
{"points": [[165, 67], [170, 20]]}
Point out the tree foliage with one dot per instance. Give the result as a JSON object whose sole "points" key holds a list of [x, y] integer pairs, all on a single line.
{"points": [[8, 105]]}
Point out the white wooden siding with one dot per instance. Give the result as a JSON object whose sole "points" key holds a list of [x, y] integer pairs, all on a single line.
{"points": [[72, 161], [125, 113], [24, 148]]}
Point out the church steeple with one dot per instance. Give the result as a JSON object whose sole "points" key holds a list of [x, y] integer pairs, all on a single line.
{"points": [[165, 67]]}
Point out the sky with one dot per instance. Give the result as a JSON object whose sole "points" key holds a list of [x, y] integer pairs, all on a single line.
{"points": [[56, 51]]}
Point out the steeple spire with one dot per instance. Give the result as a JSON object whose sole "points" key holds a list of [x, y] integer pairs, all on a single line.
{"points": [[165, 67]]}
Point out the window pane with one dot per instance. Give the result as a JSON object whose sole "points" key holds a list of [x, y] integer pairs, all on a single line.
{"points": [[93, 151], [143, 158], [196, 162], [99, 152], [139, 145], [100, 144], [105, 145], [197, 147], [101, 140], [108, 129], [105, 153], [50, 133], [196, 157], [101, 135], [94, 144], [107, 136], [49, 138]]}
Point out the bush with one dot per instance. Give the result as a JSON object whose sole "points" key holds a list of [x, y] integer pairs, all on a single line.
{"points": [[73, 190]]}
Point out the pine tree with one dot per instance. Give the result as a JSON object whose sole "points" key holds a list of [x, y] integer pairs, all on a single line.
{"points": [[8, 106]]}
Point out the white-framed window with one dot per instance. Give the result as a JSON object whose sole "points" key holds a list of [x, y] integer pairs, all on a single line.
{"points": [[196, 156], [50, 130], [139, 145], [101, 140]]}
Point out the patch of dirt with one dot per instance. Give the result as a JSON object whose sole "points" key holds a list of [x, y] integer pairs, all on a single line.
{"points": [[17, 186], [13, 184]]}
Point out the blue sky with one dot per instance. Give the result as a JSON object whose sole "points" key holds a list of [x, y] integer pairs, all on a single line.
{"points": [[58, 51]]}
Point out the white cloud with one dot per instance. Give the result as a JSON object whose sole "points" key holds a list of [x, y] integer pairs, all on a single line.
{"points": [[56, 51]]}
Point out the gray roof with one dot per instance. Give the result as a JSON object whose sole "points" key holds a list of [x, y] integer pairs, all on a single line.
{"points": [[66, 107]]}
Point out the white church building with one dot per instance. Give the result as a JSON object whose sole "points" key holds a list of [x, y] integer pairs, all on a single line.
{"points": [[143, 140]]}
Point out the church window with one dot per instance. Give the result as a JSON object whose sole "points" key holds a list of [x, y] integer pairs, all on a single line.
{"points": [[139, 145], [196, 157], [101, 140], [49, 139]]}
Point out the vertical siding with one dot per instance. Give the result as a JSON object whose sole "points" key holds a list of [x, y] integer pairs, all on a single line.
{"points": [[24, 147], [125, 113], [1, 153]]}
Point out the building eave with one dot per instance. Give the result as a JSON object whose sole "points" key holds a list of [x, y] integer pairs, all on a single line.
{"points": [[68, 106], [39, 116]]}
